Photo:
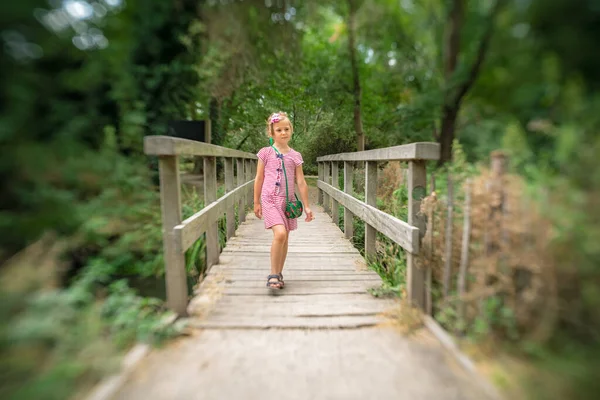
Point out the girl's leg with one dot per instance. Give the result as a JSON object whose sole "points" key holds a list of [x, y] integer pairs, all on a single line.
{"points": [[283, 253], [277, 247]]}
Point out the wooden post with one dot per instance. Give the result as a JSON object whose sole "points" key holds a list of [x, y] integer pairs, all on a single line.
{"points": [[170, 203], [229, 186], [320, 192], [210, 195], [335, 182], [240, 182], [348, 188], [448, 234], [499, 162], [492, 227], [370, 199], [326, 179], [429, 234], [464, 254], [250, 192], [417, 186]]}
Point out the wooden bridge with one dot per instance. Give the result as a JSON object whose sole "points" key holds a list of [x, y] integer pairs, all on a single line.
{"points": [[323, 336]]}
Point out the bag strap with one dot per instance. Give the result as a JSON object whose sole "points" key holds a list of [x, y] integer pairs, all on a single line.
{"points": [[287, 194]]}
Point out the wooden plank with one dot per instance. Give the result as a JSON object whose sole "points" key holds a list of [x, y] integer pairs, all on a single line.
{"points": [[306, 291], [346, 265], [292, 272], [301, 275], [417, 188], [170, 146], [335, 182], [371, 200], [295, 284], [325, 247], [241, 178], [265, 242], [229, 186], [296, 310], [297, 240], [289, 323], [399, 231], [333, 249], [297, 270], [405, 152], [317, 299], [337, 262], [170, 203], [188, 231], [306, 258], [256, 306], [349, 190], [210, 195]]}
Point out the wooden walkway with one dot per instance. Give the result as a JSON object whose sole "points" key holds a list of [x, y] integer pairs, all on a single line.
{"points": [[322, 337], [326, 282]]}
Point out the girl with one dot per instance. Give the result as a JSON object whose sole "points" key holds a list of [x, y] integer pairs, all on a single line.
{"points": [[270, 185]]}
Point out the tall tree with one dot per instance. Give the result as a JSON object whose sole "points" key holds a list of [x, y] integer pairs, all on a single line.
{"points": [[356, 89], [455, 93]]}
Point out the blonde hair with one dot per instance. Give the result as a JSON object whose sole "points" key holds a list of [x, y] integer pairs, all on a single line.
{"points": [[282, 116]]}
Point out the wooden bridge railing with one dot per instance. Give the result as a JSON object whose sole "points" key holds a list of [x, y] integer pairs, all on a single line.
{"points": [[179, 235], [407, 234]]}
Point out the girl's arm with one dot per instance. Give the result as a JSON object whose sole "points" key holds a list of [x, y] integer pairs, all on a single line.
{"points": [[258, 183], [303, 188]]}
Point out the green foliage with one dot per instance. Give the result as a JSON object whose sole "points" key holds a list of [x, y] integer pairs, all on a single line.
{"points": [[496, 321], [329, 132], [390, 264], [54, 330], [358, 240], [60, 340], [133, 318]]}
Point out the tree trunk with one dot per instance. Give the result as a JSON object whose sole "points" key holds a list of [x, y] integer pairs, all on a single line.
{"points": [[451, 51], [358, 126], [454, 95], [214, 113], [447, 135], [452, 45]]}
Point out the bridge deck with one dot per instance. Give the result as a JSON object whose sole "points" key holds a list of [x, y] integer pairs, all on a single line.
{"points": [[322, 337], [326, 282]]}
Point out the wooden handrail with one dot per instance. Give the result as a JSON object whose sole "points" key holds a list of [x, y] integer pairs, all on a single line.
{"points": [[405, 152], [179, 235], [186, 233], [407, 234], [172, 146], [399, 231]]}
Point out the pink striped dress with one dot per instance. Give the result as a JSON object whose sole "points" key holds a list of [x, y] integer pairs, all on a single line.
{"points": [[272, 197]]}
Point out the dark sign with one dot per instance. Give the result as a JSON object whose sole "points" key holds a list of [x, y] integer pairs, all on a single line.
{"points": [[192, 130]]}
